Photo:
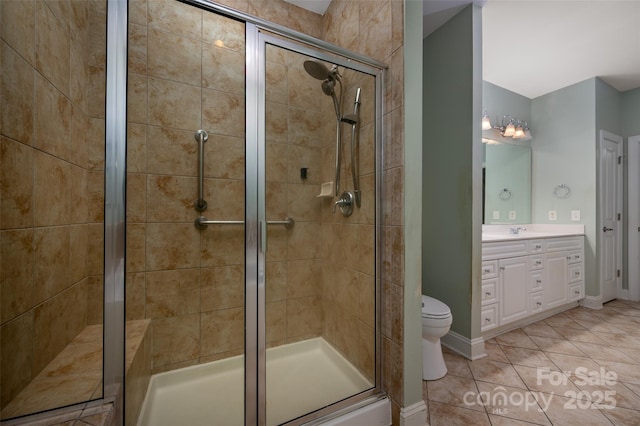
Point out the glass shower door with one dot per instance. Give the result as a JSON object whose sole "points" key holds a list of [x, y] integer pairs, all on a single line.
{"points": [[185, 278], [320, 286]]}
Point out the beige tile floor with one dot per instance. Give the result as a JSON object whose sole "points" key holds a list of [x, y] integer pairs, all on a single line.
{"points": [[579, 367]]}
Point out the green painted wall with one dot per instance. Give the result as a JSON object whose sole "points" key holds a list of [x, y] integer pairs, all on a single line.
{"points": [[499, 101], [564, 152], [630, 107], [507, 166], [451, 125], [412, 328], [608, 113]]}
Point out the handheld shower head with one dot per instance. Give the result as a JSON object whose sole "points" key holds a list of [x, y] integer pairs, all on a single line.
{"points": [[328, 85]]}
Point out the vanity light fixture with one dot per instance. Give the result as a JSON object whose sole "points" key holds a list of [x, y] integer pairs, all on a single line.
{"points": [[510, 127], [486, 121], [519, 131], [510, 130]]}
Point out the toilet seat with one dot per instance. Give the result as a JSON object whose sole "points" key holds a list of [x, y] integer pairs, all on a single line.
{"points": [[433, 308]]}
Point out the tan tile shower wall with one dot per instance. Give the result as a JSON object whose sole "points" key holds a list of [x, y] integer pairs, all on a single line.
{"points": [[375, 28], [348, 243], [186, 72], [293, 138], [51, 181]]}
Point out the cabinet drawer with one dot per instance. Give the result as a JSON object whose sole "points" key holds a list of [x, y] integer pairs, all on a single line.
{"points": [[536, 262], [576, 291], [574, 257], [536, 302], [536, 281], [489, 269], [489, 291], [564, 244], [536, 246], [574, 273], [489, 316], [504, 249]]}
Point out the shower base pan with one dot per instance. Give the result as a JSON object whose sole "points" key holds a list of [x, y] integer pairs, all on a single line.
{"points": [[301, 377]]}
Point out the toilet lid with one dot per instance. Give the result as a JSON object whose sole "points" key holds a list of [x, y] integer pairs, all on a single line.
{"points": [[434, 308]]}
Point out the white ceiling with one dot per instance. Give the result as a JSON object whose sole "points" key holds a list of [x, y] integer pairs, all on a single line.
{"points": [[533, 47], [536, 47]]}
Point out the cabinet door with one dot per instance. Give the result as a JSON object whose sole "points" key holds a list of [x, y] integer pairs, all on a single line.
{"points": [[555, 286], [513, 275]]}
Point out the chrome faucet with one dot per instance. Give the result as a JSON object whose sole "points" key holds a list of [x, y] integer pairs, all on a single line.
{"points": [[515, 230]]}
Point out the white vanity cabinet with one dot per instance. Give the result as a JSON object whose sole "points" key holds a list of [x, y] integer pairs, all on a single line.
{"points": [[523, 277]]}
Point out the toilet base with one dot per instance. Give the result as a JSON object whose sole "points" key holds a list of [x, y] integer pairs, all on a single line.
{"points": [[433, 366]]}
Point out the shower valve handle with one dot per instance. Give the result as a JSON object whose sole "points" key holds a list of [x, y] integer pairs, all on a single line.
{"points": [[345, 203]]}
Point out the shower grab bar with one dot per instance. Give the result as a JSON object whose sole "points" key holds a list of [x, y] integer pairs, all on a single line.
{"points": [[201, 137], [202, 222]]}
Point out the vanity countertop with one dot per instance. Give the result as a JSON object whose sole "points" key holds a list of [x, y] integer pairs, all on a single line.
{"points": [[491, 233]]}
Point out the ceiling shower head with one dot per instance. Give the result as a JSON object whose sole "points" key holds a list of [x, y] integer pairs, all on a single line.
{"points": [[329, 78], [317, 70]]}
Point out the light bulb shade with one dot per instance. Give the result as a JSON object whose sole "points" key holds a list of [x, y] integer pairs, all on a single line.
{"points": [[486, 122], [519, 132], [510, 130], [527, 134]]}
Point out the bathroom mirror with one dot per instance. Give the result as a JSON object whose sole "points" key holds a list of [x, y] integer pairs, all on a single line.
{"points": [[506, 183]]}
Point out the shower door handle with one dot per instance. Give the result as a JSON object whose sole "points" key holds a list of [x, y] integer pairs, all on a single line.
{"points": [[202, 222], [263, 236]]}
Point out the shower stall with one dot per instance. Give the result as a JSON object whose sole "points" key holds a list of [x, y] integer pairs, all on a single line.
{"points": [[241, 221]]}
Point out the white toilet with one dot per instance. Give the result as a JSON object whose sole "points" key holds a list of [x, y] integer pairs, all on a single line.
{"points": [[436, 322]]}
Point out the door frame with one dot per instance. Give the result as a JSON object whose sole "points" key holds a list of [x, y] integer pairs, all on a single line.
{"points": [[618, 140], [633, 217]]}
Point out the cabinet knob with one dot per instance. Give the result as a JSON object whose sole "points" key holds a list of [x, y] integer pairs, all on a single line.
{"points": [[568, 257], [577, 273], [487, 319], [539, 303], [502, 268], [538, 247], [487, 271], [487, 293], [539, 281], [576, 292], [538, 262]]}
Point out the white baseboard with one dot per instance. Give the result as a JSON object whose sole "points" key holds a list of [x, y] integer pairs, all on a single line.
{"points": [[414, 415], [469, 348], [488, 335], [593, 302]]}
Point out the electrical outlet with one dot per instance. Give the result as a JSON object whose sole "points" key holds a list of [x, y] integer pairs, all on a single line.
{"points": [[553, 215], [512, 215], [496, 214], [575, 215]]}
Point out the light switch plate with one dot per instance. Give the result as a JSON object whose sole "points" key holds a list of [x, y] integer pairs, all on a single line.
{"points": [[575, 215], [512, 215], [496, 214], [553, 215]]}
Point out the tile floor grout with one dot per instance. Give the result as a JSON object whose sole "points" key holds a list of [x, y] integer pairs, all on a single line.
{"points": [[581, 366]]}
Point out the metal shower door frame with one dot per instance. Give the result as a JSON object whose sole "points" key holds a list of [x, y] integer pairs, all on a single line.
{"points": [[256, 90], [258, 78]]}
